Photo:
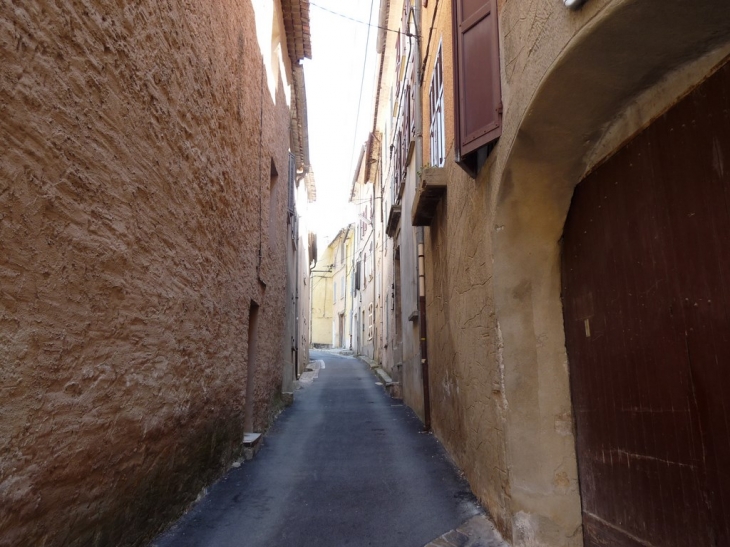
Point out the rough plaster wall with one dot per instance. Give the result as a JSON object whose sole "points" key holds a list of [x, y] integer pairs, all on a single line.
{"points": [[289, 340], [129, 229], [467, 398], [544, 503], [382, 258], [550, 56], [387, 357], [344, 272], [466, 388], [389, 350], [466, 349], [365, 245], [521, 462], [412, 375], [408, 352], [304, 304]]}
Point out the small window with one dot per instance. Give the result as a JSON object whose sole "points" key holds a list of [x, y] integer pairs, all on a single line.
{"points": [[335, 291], [436, 110], [370, 322]]}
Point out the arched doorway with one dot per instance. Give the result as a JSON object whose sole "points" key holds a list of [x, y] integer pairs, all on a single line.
{"points": [[645, 269], [574, 119]]}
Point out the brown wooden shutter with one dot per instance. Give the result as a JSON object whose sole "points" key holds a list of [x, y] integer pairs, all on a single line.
{"points": [[478, 93]]}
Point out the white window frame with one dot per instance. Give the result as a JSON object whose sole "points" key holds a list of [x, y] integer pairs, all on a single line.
{"points": [[370, 321], [437, 133]]}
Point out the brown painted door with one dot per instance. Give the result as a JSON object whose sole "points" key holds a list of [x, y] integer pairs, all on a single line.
{"points": [[646, 294]]}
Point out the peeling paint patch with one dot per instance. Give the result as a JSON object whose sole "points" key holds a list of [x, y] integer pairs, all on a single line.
{"points": [[564, 424]]}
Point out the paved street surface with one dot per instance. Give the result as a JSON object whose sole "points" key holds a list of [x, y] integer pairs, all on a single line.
{"points": [[346, 465]]}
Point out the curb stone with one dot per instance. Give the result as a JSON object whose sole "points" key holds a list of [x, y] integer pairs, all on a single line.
{"points": [[478, 531]]}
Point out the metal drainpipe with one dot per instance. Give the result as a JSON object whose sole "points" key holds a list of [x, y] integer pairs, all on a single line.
{"points": [[299, 178], [375, 270], [420, 236], [348, 289], [296, 299]]}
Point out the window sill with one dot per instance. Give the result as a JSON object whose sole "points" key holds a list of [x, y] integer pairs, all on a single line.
{"points": [[428, 195]]}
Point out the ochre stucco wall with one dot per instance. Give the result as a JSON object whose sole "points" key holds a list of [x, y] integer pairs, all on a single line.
{"points": [[321, 299], [129, 236], [498, 365], [466, 384]]}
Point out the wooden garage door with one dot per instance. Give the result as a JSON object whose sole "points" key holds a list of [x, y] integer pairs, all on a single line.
{"points": [[646, 290]]}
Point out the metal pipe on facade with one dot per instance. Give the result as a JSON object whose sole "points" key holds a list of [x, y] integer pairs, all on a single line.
{"points": [[352, 285], [299, 177], [422, 331], [296, 298]]}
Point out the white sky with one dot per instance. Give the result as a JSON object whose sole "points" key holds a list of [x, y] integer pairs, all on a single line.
{"points": [[333, 79]]}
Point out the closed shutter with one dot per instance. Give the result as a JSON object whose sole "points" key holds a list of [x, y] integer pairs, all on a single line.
{"points": [[478, 115]]}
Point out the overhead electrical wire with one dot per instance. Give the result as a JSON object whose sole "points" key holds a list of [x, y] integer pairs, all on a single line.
{"points": [[361, 22], [362, 80]]}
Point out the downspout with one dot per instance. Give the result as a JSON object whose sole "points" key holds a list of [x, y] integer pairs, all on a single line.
{"points": [[311, 314], [299, 178], [348, 289], [375, 273], [296, 298], [420, 236]]}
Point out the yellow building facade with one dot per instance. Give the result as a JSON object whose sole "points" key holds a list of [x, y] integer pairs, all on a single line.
{"points": [[332, 293]]}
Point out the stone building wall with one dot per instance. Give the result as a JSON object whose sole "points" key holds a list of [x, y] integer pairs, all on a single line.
{"points": [[465, 381], [137, 140], [498, 364]]}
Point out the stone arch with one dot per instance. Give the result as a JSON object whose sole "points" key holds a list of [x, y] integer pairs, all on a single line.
{"points": [[621, 70]]}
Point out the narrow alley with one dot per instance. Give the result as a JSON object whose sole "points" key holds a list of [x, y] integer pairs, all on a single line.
{"points": [[400, 273], [346, 465]]}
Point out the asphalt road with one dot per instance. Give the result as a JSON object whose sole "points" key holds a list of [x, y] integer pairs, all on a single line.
{"points": [[346, 465]]}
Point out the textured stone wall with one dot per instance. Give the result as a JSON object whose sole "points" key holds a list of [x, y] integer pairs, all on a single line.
{"points": [[514, 443], [467, 398], [134, 163], [573, 90], [466, 384]]}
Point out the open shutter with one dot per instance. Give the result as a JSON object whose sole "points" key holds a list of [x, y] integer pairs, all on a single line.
{"points": [[478, 95]]}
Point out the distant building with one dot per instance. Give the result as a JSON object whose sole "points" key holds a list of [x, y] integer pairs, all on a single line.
{"points": [[365, 283], [332, 293], [322, 299]]}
